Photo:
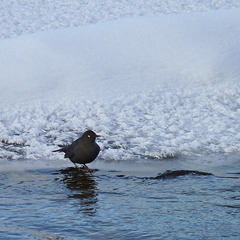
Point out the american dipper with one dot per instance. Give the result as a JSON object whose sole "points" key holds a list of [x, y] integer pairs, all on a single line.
{"points": [[83, 150]]}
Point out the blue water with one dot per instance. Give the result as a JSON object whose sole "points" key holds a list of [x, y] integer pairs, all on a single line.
{"points": [[63, 203]]}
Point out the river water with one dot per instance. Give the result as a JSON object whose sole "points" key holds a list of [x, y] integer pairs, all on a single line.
{"points": [[137, 199]]}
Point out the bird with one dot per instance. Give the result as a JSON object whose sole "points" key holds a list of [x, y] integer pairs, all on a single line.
{"points": [[83, 150]]}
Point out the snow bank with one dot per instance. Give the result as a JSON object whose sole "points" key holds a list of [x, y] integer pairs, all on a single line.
{"points": [[153, 87]]}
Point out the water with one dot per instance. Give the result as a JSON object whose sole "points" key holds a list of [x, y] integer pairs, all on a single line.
{"points": [[118, 201]]}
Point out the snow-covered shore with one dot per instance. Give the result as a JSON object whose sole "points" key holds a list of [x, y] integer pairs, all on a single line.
{"points": [[153, 87]]}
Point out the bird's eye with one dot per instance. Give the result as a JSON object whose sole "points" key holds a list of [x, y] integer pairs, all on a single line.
{"points": [[88, 136]]}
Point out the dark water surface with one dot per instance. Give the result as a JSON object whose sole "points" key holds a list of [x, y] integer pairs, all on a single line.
{"points": [[120, 204]]}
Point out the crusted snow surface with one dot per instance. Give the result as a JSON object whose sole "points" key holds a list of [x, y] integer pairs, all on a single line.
{"points": [[153, 124]]}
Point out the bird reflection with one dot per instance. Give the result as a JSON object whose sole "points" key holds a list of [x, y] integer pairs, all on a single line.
{"points": [[83, 188]]}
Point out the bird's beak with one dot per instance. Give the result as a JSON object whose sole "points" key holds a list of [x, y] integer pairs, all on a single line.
{"points": [[98, 135]]}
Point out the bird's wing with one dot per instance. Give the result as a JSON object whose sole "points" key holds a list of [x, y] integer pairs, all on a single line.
{"points": [[69, 152]]}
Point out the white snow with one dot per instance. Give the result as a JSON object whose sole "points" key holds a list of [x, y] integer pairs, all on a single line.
{"points": [[19, 17], [152, 86]]}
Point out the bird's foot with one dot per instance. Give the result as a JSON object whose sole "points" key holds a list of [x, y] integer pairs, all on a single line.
{"points": [[83, 169]]}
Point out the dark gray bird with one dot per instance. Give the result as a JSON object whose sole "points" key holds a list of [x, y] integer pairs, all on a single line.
{"points": [[83, 150]]}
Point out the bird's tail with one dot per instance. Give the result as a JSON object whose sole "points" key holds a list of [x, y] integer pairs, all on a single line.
{"points": [[63, 149], [58, 150]]}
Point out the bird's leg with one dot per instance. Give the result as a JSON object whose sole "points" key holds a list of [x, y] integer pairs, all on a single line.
{"points": [[77, 167], [87, 168]]}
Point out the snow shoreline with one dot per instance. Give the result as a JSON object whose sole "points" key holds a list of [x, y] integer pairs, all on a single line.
{"points": [[148, 93]]}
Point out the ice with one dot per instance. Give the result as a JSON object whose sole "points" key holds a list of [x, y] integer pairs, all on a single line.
{"points": [[153, 87]]}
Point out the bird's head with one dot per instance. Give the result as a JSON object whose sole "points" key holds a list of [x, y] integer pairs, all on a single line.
{"points": [[90, 136]]}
